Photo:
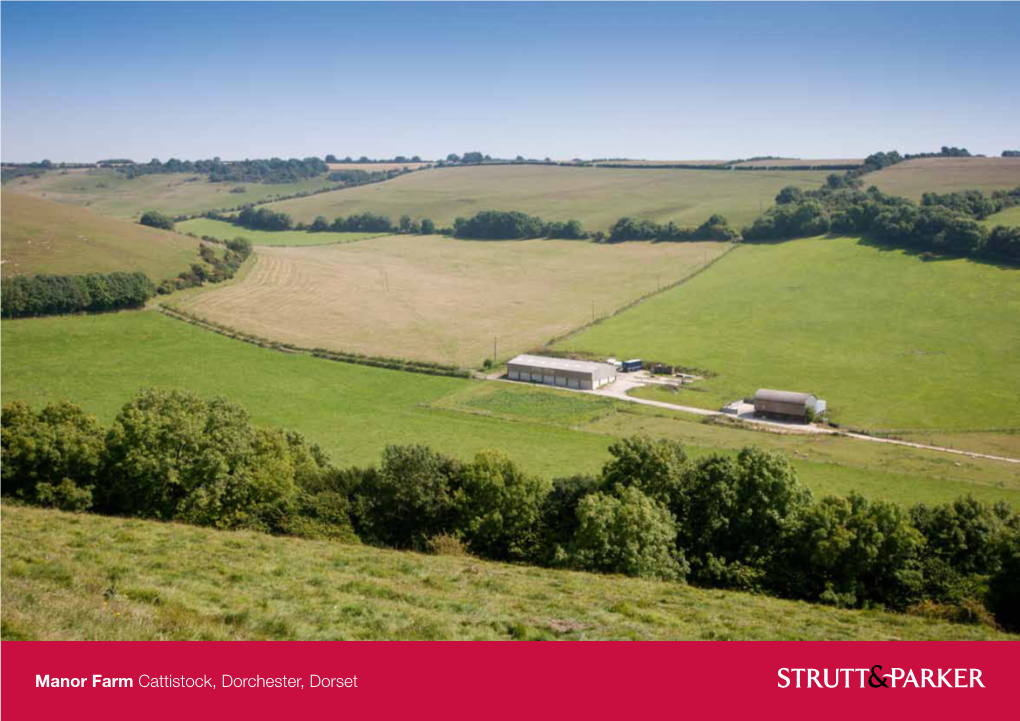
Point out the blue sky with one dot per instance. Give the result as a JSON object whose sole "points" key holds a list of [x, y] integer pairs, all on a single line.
{"points": [[669, 81]]}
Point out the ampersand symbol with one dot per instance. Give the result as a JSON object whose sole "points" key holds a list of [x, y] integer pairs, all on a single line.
{"points": [[876, 677]]}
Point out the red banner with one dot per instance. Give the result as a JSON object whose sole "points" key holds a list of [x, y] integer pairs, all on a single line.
{"points": [[510, 680]]}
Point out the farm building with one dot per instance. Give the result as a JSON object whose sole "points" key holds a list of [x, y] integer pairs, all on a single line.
{"points": [[786, 404], [585, 375]]}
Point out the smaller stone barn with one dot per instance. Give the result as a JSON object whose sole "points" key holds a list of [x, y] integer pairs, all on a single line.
{"points": [[784, 404], [584, 375]]}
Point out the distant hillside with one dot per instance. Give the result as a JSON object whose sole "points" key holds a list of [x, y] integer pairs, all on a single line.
{"points": [[44, 237], [73, 577], [913, 178], [598, 197]]}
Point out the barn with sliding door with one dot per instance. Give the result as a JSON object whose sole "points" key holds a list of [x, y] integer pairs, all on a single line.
{"points": [[584, 375]]}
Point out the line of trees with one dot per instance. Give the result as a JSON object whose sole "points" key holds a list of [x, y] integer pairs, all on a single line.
{"points": [[715, 228], [272, 170], [214, 268], [25, 296], [364, 159], [945, 224], [514, 225], [156, 219], [1011, 153], [742, 522]]}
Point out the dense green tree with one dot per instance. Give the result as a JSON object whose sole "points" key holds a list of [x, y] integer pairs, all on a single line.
{"points": [[626, 532], [500, 509], [656, 467], [427, 226], [409, 499]]}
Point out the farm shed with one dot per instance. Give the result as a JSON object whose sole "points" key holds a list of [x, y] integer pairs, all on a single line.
{"points": [[785, 404], [560, 372]]}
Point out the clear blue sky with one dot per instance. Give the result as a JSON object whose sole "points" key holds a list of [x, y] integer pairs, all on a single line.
{"points": [[670, 81]]}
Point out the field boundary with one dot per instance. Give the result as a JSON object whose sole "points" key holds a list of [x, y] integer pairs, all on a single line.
{"points": [[398, 364], [637, 301]]}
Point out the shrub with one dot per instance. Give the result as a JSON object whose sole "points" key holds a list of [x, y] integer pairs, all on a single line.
{"points": [[626, 532], [447, 544], [500, 508]]}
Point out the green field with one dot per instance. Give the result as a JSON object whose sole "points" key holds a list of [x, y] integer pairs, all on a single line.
{"points": [[222, 230], [354, 411], [890, 341], [913, 178], [110, 193], [1009, 217], [85, 577], [44, 237], [597, 197]]}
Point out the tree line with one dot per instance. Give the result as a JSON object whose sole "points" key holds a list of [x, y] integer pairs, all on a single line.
{"points": [[38, 295], [945, 224], [514, 225], [214, 268], [715, 228], [365, 160], [743, 522], [272, 170]]}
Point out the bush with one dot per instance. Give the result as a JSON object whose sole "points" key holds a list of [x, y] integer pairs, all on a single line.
{"points": [[51, 457], [447, 544], [155, 219], [409, 499], [500, 508], [626, 532]]}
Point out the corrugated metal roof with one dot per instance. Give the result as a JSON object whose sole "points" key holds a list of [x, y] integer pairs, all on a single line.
{"points": [[563, 364], [764, 394]]}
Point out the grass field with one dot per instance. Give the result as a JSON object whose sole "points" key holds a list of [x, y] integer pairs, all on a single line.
{"points": [[354, 411], [597, 197], [440, 299], [44, 237], [85, 577], [223, 230], [890, 341], [109, 193], [913, 178], [1009, 217]]}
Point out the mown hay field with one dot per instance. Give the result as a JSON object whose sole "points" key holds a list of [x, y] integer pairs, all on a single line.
{"points": [[110, 193], [222, 230], [598, 197], [87, 577], [44, 237], [914, 178], [889, 340], [440, 299], [354, 411]]}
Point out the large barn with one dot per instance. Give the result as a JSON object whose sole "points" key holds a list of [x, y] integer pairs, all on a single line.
{"points": [[786, 404], [585, 375]]}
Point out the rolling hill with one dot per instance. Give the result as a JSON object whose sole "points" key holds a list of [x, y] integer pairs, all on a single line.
{"points": [[77, 577], [597, 197], [44, 237], [913, 178]]}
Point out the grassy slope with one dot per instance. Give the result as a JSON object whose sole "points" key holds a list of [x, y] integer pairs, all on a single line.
{"points": [[913, 178], [109, 193], [596, 196], [444, 300], [44, 237], [890, 341], [223, 230], [354, 411], [68, 577], [1009, 217]]}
